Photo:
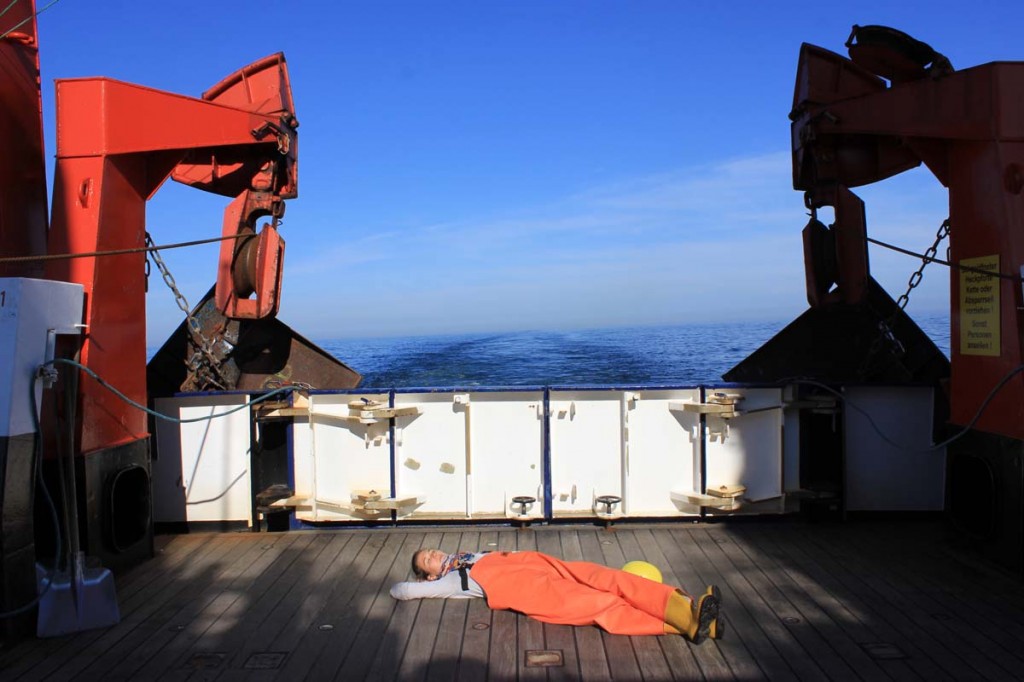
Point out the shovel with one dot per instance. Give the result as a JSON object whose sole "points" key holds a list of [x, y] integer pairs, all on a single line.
{"points": [[80, 598]]}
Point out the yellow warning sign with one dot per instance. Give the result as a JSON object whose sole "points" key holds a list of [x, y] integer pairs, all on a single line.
{"points": [[979, 307]]}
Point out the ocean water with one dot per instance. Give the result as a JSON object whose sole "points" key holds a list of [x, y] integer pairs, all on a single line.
{"points": [[680, 355]]}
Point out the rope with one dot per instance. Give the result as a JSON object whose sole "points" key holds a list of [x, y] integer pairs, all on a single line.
{"points": [[957, 266], [27, 19], [899, 446], [8, 8], [160, 415], [119, 252]]}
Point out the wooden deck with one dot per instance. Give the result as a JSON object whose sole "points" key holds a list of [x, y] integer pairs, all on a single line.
{"points": [[802, 602]]}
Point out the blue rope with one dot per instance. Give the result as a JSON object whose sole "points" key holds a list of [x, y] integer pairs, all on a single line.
{"points": [[158, 415]]}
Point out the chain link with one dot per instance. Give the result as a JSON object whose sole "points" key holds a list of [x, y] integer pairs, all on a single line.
{"points": [[203, 363], [930, 254], [885, 327]]}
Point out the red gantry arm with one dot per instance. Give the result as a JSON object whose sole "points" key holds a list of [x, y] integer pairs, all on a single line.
{"points": [[895, 104], [116, 144]]}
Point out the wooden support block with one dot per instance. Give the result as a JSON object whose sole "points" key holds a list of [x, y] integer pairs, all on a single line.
{"points": [[365, 404], [283, 413], [388, 412], [297, 502], [321, 416], [395, 502], [704, 408], [727, 491], [365, 495]]}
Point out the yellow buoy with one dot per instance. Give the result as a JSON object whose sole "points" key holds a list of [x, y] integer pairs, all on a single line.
{"points": [[644, 570]]}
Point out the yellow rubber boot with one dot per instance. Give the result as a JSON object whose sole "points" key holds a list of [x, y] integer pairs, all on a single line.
{"points": [[717, 629], [692, 620]]}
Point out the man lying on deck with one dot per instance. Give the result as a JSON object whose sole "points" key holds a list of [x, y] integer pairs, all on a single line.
{"points": [[564, 592]]}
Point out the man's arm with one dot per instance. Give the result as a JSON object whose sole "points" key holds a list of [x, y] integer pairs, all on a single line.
{"points": [[448, 587]]}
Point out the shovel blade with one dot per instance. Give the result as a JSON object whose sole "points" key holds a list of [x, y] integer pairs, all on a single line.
{"points": [[73, 605]]}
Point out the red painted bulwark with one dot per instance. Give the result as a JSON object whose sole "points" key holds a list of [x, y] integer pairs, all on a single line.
{"points": [[22, 165]]}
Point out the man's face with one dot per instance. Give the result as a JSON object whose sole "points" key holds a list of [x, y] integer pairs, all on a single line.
{"points": [[429, 562]]}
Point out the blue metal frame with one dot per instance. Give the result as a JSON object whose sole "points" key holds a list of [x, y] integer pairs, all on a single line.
{"points": [[549, 506], [393, 450]]}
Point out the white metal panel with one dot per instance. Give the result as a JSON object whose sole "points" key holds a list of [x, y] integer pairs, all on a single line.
{"points": [[880, 476], [507, 451], [202, 472], [747, 449], [663, 451], [29, 308], [344, 456], [430, 454], [586, 449]]}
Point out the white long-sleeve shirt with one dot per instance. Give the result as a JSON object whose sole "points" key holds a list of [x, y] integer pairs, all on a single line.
{"points": [[448, 587]]}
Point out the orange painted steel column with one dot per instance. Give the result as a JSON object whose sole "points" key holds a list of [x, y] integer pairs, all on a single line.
{"points": [[116, 144]]}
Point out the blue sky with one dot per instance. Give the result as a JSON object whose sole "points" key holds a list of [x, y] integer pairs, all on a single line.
{"points": [[490, 166]]}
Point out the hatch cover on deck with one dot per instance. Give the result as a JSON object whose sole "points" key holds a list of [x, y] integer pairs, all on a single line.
{"points": [[267, 660], [206, 659], [543, 658], [883, 651]]}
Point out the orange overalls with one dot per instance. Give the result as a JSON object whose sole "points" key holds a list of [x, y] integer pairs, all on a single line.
{"points": [[573, 592]]}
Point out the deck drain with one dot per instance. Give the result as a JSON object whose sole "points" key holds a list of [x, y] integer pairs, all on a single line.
{"points": [[326, 627], [266, 660], [790, 620], [267, 547], [544, 658], [176, 628], [206, 660], [480, 626], [883, 651]]}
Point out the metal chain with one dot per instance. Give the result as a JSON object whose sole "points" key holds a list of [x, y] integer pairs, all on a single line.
{"points": [[885, 327], [203, 363], [915, 278]]}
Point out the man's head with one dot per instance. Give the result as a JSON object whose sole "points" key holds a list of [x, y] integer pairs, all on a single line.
{"points": [[426, 563]]}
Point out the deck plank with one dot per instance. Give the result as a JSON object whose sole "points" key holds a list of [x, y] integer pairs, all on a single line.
{"points": [[268, 606], [223, 559], [444, 661], [316, 648], [902, 592], [244, 582], [732, 657], [504, 643], [170, 553], [622, 663], [476, 642], [807, 627], [851, 587], [650, 658], [594, 664], [814, 593], [738, 601], [678, 652], [270, 634], [399, 628], [130, 661], [892, 625], [764, 610], [531, 632], [349, 616], [558, 637], [955, 592]]}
